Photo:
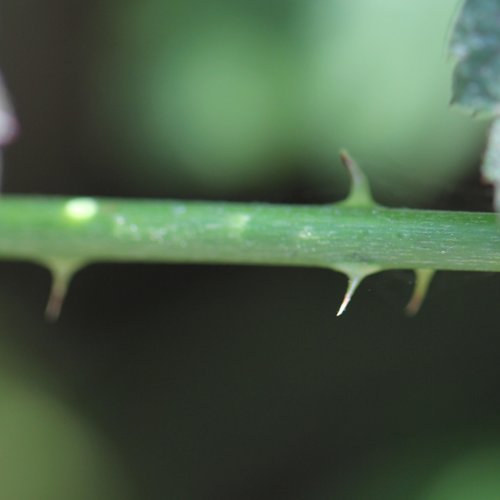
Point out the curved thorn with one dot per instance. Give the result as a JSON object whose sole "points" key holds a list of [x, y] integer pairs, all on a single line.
{"points": [[423, 278], [360, 194]]}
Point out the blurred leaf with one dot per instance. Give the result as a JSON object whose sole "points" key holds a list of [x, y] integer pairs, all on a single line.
{"points": [[48, 451], [232, 97], [473, 475], [476, 79], [476, 44]]}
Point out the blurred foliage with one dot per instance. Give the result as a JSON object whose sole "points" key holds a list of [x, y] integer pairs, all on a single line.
{"points": [[47, 450], [475, 43], [229, 94], [474, 475], [476, 46], [203, 383]]}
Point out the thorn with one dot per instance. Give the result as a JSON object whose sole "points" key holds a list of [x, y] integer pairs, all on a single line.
{"points": [[62, 271], [352, 285], [423, 278], [356, 273], [360, 194]]}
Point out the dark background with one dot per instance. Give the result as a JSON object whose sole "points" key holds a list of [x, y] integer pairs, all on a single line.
{"points": [[214, 382]]}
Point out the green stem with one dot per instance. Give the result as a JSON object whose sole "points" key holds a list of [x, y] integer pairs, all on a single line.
{"points": [[87, 230]]}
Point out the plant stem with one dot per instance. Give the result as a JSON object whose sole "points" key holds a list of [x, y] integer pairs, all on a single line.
{"points": [[84, 230]]}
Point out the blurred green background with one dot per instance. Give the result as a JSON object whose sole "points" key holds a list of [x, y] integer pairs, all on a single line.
{"points": [[214, 383]]}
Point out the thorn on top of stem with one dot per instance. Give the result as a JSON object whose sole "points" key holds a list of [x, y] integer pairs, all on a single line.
{"points": [[360, 194]]}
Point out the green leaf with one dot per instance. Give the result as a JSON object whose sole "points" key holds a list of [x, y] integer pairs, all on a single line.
{"points": [[476, 45]]}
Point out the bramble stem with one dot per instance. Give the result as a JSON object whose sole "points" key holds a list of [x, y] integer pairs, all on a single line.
{"points": [[86, 230]]}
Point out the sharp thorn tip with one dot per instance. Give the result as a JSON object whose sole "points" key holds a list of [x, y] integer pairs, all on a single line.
{"points": [[351, 288]]}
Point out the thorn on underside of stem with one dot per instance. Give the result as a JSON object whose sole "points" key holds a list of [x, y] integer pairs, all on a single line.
{"points": [[423, 278], [62, 272], [352, 285], [356, 273]]}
